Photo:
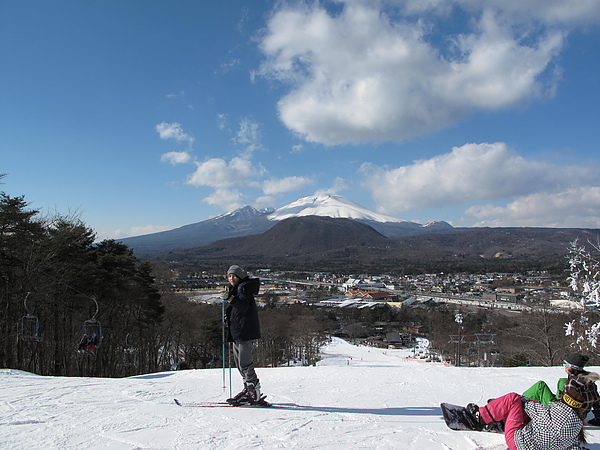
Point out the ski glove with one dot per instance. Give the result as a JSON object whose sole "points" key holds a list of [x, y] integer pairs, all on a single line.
{"points": [[595, 421], [225, 293]]}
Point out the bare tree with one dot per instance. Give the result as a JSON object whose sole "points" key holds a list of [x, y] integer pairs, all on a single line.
{"points": [[584, 283]]}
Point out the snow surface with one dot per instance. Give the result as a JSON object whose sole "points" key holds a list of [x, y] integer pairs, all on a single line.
{"points": [[334, 206], [356, 397]]}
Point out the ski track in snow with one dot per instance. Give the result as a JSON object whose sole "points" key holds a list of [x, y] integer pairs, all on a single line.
{"points": [[355, 398]]}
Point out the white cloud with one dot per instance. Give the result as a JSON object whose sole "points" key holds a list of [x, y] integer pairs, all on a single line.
{"points": [[339, 185], [222, 120], [248, 136], [266, 201], [496, 71], [226, 66], [571, 208], [228, 179], [148, 229], [232, 181], [227, 199], [131, 231], [548, 12], [276, 186], [367, 74], [173, 131], [176, 158], [473, 172], [218, 173]]}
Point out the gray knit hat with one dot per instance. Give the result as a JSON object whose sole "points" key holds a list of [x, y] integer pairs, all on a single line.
{"points": [[238, 271]]}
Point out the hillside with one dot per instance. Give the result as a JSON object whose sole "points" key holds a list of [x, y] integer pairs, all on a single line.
{"points": [[323, 243], [240, 222], [355, 398], [301, 236], [249, 221], [503, 243]]}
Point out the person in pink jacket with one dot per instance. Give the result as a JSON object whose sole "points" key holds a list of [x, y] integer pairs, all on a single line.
{"points": [[529, 425]]}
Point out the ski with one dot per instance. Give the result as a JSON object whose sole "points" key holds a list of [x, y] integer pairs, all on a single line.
{"points": [[260, 404]]}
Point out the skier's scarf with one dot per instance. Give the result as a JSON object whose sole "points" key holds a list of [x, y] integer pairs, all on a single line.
{"points": [[571, 401]]}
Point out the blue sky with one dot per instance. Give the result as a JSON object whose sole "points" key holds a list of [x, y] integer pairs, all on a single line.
{"points": [[140, 116]]}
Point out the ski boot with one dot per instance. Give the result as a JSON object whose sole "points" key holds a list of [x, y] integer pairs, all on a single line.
{"points": [[250, 395], [476, 422]]}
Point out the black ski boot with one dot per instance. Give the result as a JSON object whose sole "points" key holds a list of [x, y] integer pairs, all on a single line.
{"points": [[236, 399], [250, 395], [474, 417]]}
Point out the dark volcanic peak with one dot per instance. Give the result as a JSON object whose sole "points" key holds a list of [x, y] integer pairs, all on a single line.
{"points": [[301, 235]]}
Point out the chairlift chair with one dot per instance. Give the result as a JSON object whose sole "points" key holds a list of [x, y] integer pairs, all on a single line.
{"points": [[29, 329], [130, 357], [92, 335], [30, 325]]}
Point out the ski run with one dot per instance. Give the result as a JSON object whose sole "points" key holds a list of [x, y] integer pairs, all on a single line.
{"points": [[355, 398]]}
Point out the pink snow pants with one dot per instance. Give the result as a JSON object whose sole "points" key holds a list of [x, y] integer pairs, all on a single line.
{"points": [[509, 409]]}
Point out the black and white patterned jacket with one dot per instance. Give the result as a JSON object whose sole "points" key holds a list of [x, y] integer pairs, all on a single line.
{"points": [[555, 426]]}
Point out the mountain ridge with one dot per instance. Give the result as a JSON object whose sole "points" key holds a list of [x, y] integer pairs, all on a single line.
{"points": [[329, 244], [246, 221], [259, 237]]}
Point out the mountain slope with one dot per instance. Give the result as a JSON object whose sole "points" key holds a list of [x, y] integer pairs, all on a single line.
{"points": [[249, 221], [301, 236], [323, 243], [240, 222]]}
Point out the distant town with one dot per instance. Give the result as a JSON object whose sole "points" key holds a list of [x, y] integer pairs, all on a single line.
{"points": [[529, 291], [422, 296]]}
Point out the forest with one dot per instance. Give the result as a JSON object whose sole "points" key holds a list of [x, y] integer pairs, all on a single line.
{"points": [[58, 285]]}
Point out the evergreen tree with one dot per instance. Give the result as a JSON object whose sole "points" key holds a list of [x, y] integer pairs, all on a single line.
{"points": [[20, 233]]}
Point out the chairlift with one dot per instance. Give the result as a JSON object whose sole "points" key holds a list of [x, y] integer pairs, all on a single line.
{"points": [[92, 335], [30, 325], [130, 357]]}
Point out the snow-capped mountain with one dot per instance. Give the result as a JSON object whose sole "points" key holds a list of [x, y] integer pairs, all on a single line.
{"points": [[339, 207], [247, 221], [242, 214], [334, 206]]}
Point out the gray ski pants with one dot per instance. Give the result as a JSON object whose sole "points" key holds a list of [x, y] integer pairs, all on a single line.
{"points": [[244, 361]]}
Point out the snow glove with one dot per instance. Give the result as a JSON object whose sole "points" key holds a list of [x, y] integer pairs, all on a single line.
{"points": [[225, 293], [596, 420]]}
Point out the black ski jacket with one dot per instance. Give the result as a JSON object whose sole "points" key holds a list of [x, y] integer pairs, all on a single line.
{"points": [[242, 312]]}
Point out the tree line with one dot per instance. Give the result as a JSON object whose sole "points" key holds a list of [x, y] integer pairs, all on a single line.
{"points": [[55, 281], [57, 284]]}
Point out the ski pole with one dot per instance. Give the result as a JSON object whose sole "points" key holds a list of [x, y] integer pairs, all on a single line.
{"points": [[229, 355], [224, 339]]}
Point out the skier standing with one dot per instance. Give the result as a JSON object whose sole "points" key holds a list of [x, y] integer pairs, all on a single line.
{"points": [[244, 328]]}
